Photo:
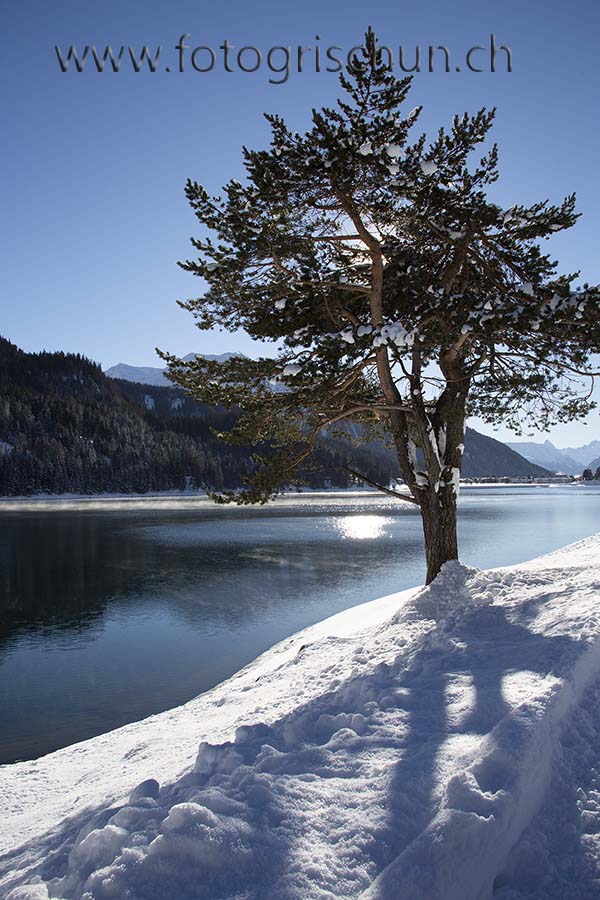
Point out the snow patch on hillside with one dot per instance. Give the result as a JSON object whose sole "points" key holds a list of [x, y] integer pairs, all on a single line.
{"points": [[404, 752]]}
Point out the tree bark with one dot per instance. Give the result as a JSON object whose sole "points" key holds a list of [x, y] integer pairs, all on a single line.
{"points": [[438, 513]]}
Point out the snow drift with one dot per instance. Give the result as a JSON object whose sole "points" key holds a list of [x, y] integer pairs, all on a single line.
{"points": [[403, 750]]}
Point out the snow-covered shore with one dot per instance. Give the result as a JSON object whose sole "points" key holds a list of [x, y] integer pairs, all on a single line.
{"points": [[412, 748]]}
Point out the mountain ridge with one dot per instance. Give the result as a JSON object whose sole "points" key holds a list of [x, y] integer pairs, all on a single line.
{"points": [[570, 460], [155, 375], [66, 427]]}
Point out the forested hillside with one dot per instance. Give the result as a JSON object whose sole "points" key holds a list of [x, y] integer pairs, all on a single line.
{"points": [[66, 427]]}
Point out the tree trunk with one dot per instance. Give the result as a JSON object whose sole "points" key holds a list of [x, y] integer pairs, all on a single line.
{"points": [[438, 512]]}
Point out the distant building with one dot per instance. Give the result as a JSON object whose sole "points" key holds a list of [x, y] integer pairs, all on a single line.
{"points": [[558, 479]]}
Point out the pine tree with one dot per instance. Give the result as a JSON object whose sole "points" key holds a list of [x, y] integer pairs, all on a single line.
{"points": [[403, 298]]}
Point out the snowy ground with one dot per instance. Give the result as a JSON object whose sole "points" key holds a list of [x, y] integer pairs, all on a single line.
{"points": [[440, 744]]}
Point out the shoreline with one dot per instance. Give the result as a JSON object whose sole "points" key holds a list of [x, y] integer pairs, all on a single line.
{"points": [[333, 699], [62, 501], [169, 738]]}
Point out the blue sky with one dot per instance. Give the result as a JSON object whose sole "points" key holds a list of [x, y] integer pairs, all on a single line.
{"points": [[93, 166]]}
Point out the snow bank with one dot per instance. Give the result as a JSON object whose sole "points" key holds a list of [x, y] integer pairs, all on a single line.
{"points": [[401, 751], [44, 800], [558, 854]]}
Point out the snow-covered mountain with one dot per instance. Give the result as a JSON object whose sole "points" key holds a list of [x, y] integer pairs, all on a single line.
{"points": [[154, 374], [141, 374], [586, 454], [550, 457]]}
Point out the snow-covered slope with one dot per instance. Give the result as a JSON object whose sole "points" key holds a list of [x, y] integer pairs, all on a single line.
{"points": [[406, 749], [548, 456], [142, 374], [153, 374], [584, 455]]}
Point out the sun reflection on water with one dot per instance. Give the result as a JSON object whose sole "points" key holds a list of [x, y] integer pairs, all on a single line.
{"points": [[362, 527]]}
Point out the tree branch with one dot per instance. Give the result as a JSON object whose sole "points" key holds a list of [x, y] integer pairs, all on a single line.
{"points": [[375, 484]]}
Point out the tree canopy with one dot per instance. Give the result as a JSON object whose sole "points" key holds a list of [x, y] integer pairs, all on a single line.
{"points": [[400, 297]]}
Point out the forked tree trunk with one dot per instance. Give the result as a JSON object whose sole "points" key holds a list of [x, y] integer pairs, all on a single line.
{"points": [[438, 512]]}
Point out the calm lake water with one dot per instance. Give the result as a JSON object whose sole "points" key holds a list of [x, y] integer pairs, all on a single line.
{"points": [[112, 611]]}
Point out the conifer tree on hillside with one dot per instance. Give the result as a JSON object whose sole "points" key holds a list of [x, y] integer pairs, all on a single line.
{"points": [[402, 297]]}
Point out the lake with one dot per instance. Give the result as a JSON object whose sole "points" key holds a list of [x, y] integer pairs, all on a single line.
{"points": [[114, 610]]}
